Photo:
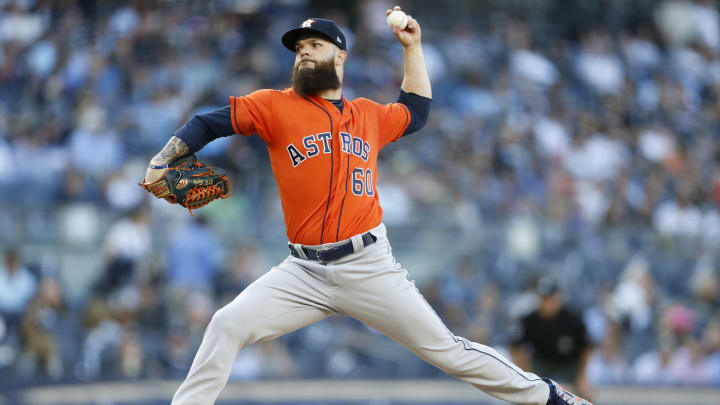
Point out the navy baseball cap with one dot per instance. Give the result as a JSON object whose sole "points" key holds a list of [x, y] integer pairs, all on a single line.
{"points": [[315, 26], [547, 286]]}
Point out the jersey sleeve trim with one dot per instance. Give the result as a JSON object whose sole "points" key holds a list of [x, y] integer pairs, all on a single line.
{"points": [[233, 116], [407, 120]]}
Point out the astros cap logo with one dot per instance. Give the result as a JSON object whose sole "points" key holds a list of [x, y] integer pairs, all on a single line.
{"points": [[315, 27]]}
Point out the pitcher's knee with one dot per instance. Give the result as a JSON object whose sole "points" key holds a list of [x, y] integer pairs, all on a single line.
{"points": [[224, 323]]}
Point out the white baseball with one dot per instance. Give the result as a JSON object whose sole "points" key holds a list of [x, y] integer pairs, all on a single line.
{"points": [[397, 18]]}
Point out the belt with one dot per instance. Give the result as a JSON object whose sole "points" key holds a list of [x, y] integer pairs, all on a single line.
{"points": [[331, 253]]}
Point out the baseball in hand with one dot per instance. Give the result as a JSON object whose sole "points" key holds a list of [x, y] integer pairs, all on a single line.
{"points": [[397, 19]]}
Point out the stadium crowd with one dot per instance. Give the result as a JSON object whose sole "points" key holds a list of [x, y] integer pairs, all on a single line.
{"points": [[590, 154]]}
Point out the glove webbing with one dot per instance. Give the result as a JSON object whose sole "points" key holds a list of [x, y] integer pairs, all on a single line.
{"points": [[200, 196]]}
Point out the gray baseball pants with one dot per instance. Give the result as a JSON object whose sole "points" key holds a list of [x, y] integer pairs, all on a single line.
{"points": [[368, 285]]}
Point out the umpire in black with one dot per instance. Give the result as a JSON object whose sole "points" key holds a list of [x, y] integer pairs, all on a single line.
{"points": [[552, 339]]}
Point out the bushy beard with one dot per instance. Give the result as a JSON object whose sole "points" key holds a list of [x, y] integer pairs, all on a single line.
{"points": [[309, 80]]}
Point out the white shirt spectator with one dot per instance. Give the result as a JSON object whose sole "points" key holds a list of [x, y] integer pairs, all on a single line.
{"points": [[598, 158], [671, 219], [651, 368], [656, 144], [42, 58], [601, 71], [606, 368], [684, 21], [129, 239], [631, 298], [551, 137], [21, 28], [124, 22], [16, 289], [707, 23], [592, 201], [7, 162], [533, 67], [675, 21]]}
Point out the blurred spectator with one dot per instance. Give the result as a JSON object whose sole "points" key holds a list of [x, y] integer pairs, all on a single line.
{"points": [[103, 335], [607, 364], [20, 25], [265, 359], [598, 66], [41, 355], [596, 318], [633, 300], [127, 246], [641, 53], [95, 149], [43, 163], [121, 190], [679, 217], [190, 314], [17, 287], [526, 64], [194, 256], [246, 265], [687, 365], [653, 367], [684, 21], [552, 340], [711, 346], [678, 358], [551, 138], [705, 285]]}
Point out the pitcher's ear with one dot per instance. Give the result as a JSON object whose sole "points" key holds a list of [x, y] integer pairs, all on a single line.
{"points": [[340, 57]]}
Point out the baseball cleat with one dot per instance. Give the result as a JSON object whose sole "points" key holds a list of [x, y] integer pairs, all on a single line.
{"points": [[559, 395]]}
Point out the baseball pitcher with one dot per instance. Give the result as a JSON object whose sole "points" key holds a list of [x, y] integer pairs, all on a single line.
{"points": [[323, 150]]}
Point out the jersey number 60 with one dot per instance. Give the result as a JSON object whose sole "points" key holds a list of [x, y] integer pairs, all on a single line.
{"points": [[362, 181]]}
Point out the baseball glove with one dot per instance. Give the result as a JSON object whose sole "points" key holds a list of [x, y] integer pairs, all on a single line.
{"points": [[189, 183]]}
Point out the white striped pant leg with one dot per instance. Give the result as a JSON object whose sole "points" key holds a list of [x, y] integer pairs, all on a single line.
{"points": [[281, 301], [375, 290]]}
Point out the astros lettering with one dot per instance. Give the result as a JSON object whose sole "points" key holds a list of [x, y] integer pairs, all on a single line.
{"points": [[313, 139], [312, 144]]}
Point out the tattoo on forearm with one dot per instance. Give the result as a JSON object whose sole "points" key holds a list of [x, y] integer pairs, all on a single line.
{"points": [[174, 149]]}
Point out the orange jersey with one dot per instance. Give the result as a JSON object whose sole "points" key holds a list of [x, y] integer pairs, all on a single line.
{"points": [[324, 161]]}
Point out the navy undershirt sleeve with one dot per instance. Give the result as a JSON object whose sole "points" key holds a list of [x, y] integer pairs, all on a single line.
{"points": [[419, 107], [199, 130]]}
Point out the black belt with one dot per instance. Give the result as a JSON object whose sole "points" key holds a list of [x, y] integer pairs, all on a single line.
{"points": [[334, 252]]}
